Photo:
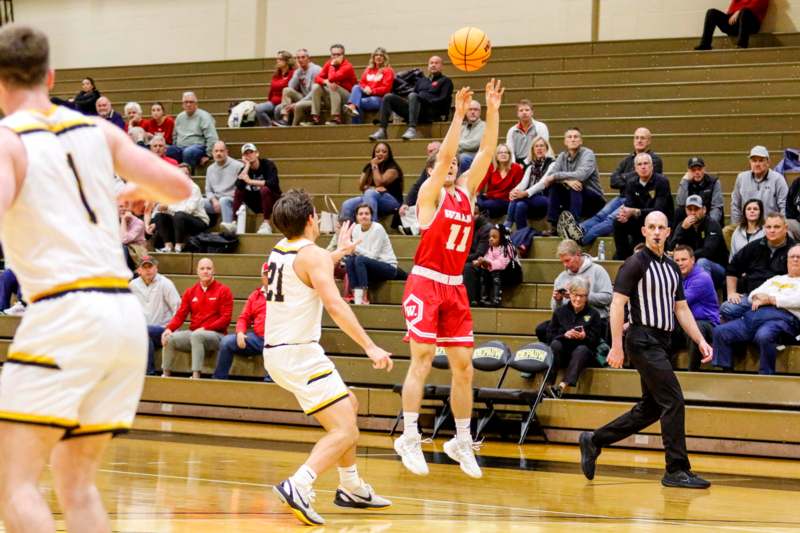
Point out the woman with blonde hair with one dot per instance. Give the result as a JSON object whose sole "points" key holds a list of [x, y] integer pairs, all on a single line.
{"points": [[528, 199], [284, 69], [376, 81], [503, 175]]}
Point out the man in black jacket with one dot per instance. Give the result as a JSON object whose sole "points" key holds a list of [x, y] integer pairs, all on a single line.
{"points": [[644, 193], [707, 187], [257, 186], [704, 236], [754, 264], [430, 100]]}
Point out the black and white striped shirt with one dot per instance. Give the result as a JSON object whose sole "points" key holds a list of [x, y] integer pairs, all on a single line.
{"points": [[653, 285]]}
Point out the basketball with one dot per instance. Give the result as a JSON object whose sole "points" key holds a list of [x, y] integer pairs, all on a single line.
{"points": [[469, 49]]}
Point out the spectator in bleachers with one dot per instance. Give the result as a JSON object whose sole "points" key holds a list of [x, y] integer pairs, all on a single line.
{"points": [[698, 287], [575, 331], [759, 182], [131, 230], [430, 100], [296, 100], [478, 248], [257, 186], [520, 136], [175, 223], [248, 339], [284, 70], [9, 286], [159, 122], [408, 210], [754, 264], [133, 115], [334, 82], [489, 270], [704, 236], [381, 185], [221, 179], [195, 133], [742, 19], [471, 135], [644, 193], [707, 187], [528, 198], [106, 111], [159, 147], [209, 303], [751, 227], [160, 301], [602, 223], [376, 82], [793, 209], [501, 178], [576, 183], [86, 99], [373, 259], [773, 319]]}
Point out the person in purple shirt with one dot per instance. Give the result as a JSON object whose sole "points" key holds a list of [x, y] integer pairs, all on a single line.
{"points": [[698, 287], [106, 110]]}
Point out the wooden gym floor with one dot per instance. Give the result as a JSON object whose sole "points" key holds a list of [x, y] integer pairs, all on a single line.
{"points": [[176, 475]]}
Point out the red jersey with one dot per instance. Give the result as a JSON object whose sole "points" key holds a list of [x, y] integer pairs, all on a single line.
{"points": [[445, 243]]}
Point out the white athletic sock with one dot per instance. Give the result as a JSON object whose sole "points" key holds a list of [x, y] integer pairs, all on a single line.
{"points": [[304, 477], [358, 296], [462, 429], [410, 423], [348, 477]]}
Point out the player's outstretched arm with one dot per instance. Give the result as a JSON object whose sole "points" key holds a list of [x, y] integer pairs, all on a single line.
{"points": [[428, 197], [154, 178], [315, 264], [13, 163], [477, 171]]}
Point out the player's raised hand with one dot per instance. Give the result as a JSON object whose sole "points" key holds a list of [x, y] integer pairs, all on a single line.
{"points": [[380, 358], [345, 242], [494, 93], [463, 98]]}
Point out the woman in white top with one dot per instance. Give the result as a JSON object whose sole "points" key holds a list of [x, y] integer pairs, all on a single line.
{"points": [[374, 259], [175, 223], [527, 198], [751, 228]]}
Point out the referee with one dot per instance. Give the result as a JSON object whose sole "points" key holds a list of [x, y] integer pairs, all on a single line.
{"points": [[650, 284]]}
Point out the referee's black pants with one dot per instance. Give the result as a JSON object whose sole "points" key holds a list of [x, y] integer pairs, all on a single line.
{"points": [[662, 397]]}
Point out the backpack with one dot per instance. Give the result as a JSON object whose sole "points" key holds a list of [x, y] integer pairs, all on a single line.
{"points": [[212, 243], [242, 114], [405, 81], [522, 239], [512, 274]]}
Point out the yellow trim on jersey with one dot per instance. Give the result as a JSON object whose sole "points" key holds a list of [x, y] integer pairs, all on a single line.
{"points": [[42, 420], [319, 375], [99, 428], [53, 128], [327, 403], [26, 358], [82, 284]]}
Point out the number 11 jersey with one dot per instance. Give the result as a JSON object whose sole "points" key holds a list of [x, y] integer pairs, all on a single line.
{"points": [[445, 242], [294, 310]]}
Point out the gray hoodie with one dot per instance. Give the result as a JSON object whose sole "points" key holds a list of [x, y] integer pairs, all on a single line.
{"points": [[772, 191], [583, 167], [600, 288]]}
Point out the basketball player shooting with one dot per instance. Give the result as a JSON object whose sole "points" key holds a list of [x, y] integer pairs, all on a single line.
{"points": [[435, 301]]}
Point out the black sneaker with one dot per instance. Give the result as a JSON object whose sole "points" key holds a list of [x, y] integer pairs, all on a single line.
{"points": [[589, 454], [684, 479]]}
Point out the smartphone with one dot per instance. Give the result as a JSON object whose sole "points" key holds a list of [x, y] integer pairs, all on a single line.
{"points": [[578, 328]]}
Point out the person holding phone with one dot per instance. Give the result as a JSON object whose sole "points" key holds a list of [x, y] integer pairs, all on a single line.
{"points": [[575, 331]]}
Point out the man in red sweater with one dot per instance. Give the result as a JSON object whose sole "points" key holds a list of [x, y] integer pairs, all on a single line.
{"points": [[210, 304], [245, 342], [743, 18], [334, 81]]}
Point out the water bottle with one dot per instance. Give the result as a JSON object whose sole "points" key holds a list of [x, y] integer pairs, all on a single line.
{"points": [[601, 251], [241, 220]]}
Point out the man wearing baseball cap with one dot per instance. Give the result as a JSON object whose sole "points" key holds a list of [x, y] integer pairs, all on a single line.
{"points": [[249, 337], [704, 236], [759, 182], [707, 187], [160, 301], [257, 186]]}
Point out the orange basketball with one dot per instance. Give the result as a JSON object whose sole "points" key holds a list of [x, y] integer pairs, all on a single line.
{"points": [[469, 49]]}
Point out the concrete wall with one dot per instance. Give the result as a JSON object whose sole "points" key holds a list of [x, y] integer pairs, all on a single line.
{"points": [[121, 32]]}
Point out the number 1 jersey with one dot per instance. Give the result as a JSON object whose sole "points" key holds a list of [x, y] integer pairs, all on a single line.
{"points": [[294, 310], [445, 242]]}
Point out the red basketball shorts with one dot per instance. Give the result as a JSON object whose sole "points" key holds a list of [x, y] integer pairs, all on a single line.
{"points": [[437, 313]]}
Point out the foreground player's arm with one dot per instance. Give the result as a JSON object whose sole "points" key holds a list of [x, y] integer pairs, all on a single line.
{"points": [[13, 164], [345, 245], [154, 178], [616, 320], [684, 315], [428, 197], [477, 171], [315, 264]]}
